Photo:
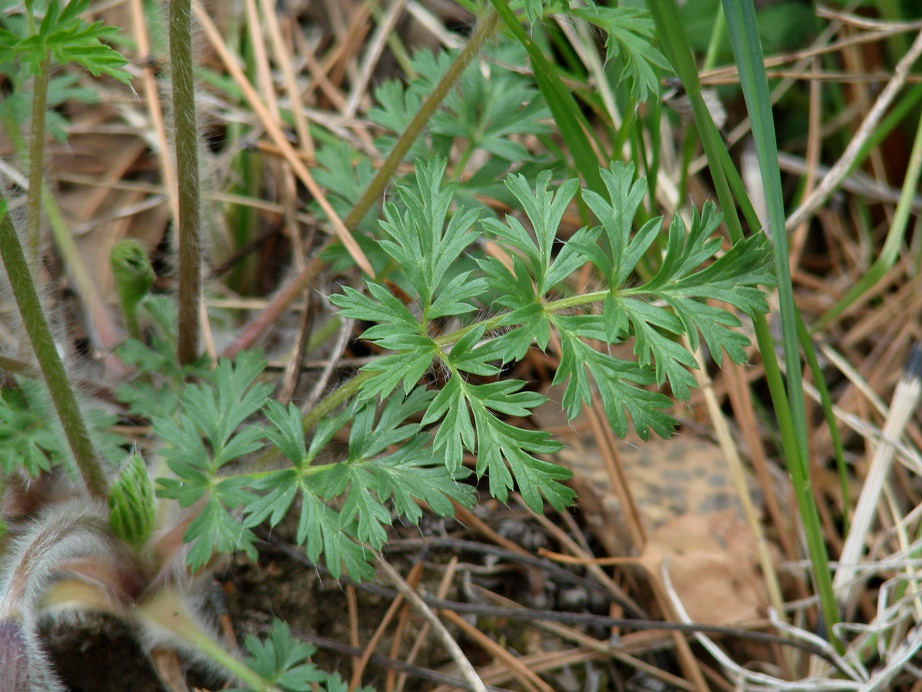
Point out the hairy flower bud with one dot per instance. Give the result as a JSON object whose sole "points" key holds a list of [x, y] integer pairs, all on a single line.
{"points": [[132, 506]]}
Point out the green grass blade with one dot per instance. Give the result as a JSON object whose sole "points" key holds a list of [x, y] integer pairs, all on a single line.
{"points": [[829, 416], [744, 37], [730, 191], [570, 120]]}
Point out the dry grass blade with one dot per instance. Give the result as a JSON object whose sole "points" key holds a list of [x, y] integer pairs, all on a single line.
{"points": [[464, 665], [842, 167], [737, 472], [372, 54], [905, 402], [279, 139], [359, 668], [283, 58], [525, 676], [442, 592]]}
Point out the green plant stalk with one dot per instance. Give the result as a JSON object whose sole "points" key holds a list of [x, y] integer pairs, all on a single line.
{"points": [[678, 52], [895, 236], [744, 38], [395, 43], [570, 120], [803, 334], [675, 43], [469, 150], [898, 44], [49, 360], [654, 121], [717, 152], [37, 161], [104, 328], [296, 287], [187, 171], [894, 117], [690, 144], [335, 399], [247, 166], [601, 98], [718, 32], [826, 402], [556, 43], [106, 333], [168, 611], [689, 148], [485, 28], [621, 137]]}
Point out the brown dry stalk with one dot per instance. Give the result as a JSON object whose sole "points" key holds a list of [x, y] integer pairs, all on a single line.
{"points": [[842, 167]]}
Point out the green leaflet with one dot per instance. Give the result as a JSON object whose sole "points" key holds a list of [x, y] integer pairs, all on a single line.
{"points": [[470, 411]]}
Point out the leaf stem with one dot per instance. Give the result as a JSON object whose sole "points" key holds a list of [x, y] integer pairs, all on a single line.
{"points": [[484, 30], [49, 360], [295, 288], [187, 169], [340, 396], [104, 332]]}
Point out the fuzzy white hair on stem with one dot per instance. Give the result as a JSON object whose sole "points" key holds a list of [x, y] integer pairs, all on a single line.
{"points": [[76, 529]]}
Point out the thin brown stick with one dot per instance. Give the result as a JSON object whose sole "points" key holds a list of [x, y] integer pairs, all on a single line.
{"points": [[293, 368], [464, 666], [413, 581], [353, 610], [442, 592], [372, 55], [278, 137], [569, 633], [283, 59], [594, 569], [617, 477], [526, 677]]}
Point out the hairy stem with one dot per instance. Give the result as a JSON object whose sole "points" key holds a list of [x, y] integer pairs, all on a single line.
{"points": [[49, 360], [103, 330], [168, 611], [37, 161], [336, 398], [187, 168]]}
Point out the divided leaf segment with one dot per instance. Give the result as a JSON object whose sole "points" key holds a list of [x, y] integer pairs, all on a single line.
{"points": [[425, 241]]}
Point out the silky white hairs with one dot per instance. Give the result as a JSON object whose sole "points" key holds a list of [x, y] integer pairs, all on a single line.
{"points": [[72, 530]]}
